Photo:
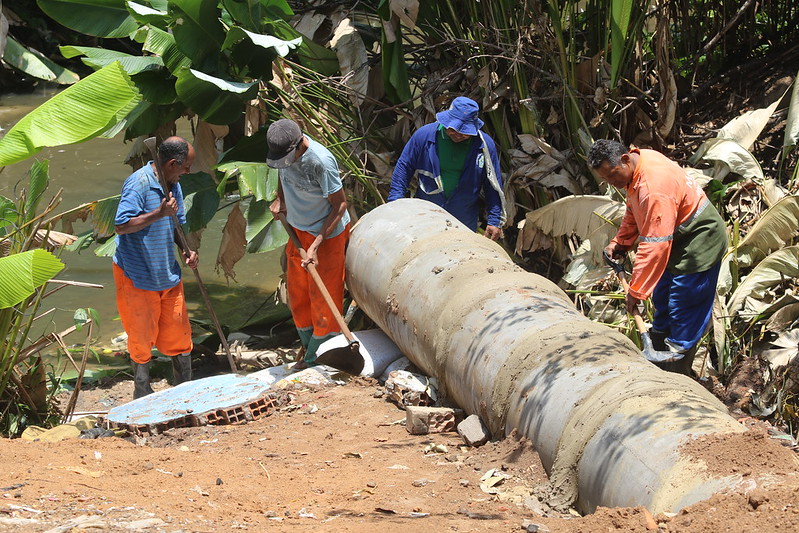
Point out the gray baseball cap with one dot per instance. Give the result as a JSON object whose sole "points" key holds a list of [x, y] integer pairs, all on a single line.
{"points": [[283, 137]]}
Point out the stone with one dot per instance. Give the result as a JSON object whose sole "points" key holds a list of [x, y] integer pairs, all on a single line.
{"points": [[532, 527], [757, 497], [534, 505], [649, 520], [472, 431]]}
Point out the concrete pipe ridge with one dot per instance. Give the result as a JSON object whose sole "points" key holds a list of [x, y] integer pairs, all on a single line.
{"points": [[511, 347]]}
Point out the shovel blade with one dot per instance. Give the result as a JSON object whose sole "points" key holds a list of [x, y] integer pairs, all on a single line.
{"points": [[347, 359]]}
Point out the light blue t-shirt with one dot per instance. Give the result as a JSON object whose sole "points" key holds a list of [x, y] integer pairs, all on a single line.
{"points": [[147, 256], [307, 184]]}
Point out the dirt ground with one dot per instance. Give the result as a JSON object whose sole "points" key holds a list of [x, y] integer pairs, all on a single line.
{"points": [[336, 459]]}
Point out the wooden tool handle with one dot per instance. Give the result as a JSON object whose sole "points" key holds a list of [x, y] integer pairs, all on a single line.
{"points": [[639, 321], [311, 268]]}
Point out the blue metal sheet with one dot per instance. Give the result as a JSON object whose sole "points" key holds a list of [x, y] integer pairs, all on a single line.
{"points": [[192, 397]]}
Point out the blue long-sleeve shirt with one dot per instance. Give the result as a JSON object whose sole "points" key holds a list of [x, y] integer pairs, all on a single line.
{"points": [[420, 158]]}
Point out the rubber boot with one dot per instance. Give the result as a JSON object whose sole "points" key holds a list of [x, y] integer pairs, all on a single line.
{"points": [[141, 379], [683, 366], [181, 368]]}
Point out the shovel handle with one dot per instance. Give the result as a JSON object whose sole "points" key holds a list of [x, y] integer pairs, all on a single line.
{"points": [[311, 268], [618, 268]]}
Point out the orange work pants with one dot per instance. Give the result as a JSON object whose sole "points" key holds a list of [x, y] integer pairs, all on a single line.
{"points": [[312, 316], [152, 318]]}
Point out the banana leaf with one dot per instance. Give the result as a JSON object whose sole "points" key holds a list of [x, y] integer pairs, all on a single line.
{"points": [[107, 249], [786, 348], [621, 15], [264, 233], [21, 274], [149, 15], [792, 124], [257, 51], [198, 32], [103, 216], [162, 43], [215, 100], [156, 86], [281, 47], [729, 156], [257, 179], [38, 180], [101, 18], [747, 127], [79, 113], [775, 228], [35, 64], [592, 218], [774, 269], [252, 13], [8, 214], [321, 60], [100, 57], [232, 247], [200, 200]]}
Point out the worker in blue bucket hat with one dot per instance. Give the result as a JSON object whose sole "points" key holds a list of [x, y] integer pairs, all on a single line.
{"points": [[455, 164]]}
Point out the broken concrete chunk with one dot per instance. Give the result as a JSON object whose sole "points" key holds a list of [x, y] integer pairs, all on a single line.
{"points": [[472, 431], [405, 388], [424, 420]]}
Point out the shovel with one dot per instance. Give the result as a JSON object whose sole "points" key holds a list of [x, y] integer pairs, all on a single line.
{"points": [[650, 354], [347, 358]]}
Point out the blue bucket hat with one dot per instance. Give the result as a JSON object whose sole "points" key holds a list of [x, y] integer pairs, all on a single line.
{"points": [[461, 116]]}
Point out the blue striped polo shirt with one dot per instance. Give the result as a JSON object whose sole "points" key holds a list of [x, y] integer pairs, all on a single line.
{"points": [[147, 256]]}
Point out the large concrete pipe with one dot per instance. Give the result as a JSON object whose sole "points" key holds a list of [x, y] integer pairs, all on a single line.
{"points": [[511, 347]]}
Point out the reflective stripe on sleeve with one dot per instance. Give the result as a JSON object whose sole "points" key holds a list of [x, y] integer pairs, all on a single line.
{"points": [[657, 239]]}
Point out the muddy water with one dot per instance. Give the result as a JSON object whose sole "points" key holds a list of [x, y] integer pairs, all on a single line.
{"points": [[94, 170]]}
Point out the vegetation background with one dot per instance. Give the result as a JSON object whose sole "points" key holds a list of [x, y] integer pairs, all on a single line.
{"points": [[711, 84]]}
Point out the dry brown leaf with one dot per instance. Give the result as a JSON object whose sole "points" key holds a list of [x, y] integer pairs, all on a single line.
{"points": [[382, 163], [585, 74], [206, 152], [309, 22], [83, 471], [80, 214], [530, 238], [194, 239], [255, 116], [406, 10], [54, 238], [234, 241], [352, 59]]}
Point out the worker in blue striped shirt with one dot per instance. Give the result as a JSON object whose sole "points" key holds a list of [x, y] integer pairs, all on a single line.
{"points": [[149, 294]]}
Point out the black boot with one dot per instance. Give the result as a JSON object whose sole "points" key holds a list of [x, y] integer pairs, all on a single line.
{"points": [[141, 379], [181, 368]]}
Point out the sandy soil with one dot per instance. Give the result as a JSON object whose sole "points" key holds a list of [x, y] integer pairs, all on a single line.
{"points": [[333, 459]]}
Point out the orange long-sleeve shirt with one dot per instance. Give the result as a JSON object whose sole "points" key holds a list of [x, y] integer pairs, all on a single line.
{"points": [[665, 204]]}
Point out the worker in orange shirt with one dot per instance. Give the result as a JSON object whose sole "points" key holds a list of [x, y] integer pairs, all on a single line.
{"points": [[681, 240]]}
